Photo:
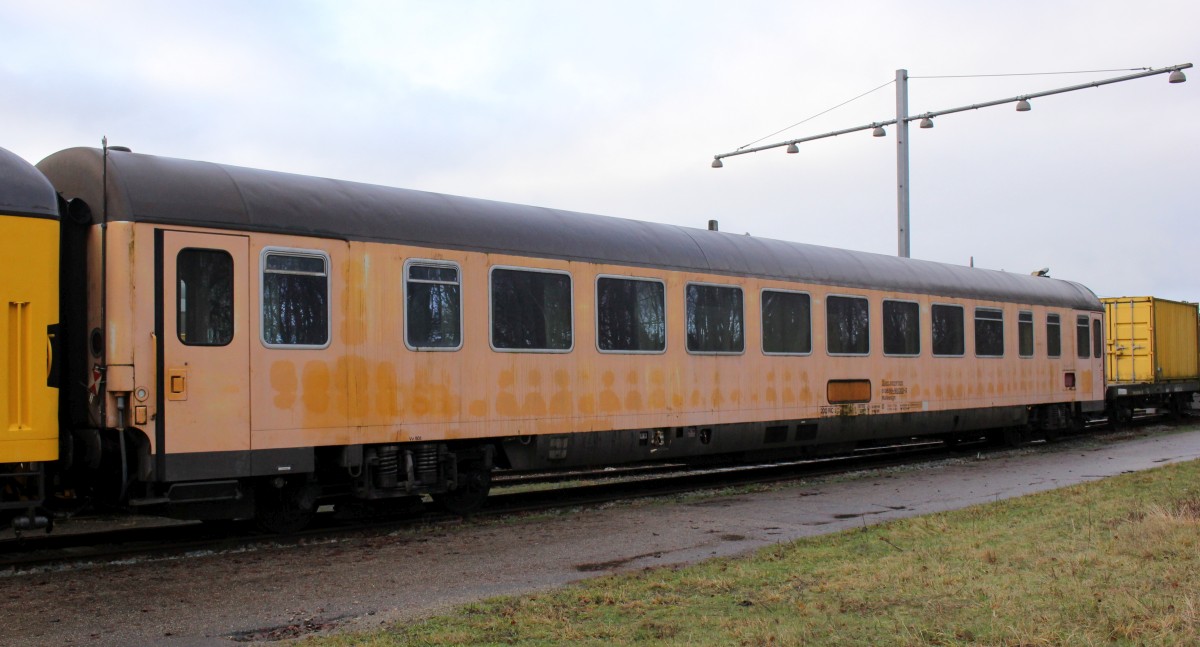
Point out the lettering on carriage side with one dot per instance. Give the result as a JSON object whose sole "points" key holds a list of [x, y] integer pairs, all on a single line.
{"points": [[891, 390], [863, 409], [859, 409]]}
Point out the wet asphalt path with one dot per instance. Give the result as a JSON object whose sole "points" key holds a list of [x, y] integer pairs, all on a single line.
{"points": [[363, 583]]}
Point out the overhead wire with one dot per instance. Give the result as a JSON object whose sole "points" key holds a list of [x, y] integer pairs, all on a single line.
{"points": [[980, 76], [938, 76], [875, 89]]}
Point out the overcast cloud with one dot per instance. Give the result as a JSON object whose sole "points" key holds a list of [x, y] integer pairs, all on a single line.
{"points": [[618, 107]]}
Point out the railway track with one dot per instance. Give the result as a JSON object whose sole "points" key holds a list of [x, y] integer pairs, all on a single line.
{"points": [[512, 494]]}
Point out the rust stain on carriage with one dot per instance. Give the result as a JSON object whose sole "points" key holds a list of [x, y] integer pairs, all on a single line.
{"points": [[356, 287], [316, 383], [284, 382], [609, 402], [562, 401], [387, 391], [506, 400], [658, 389]]}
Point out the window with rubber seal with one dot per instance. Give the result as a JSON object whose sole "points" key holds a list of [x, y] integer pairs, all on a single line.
{"points": [[901, 328], [295, 299], [714, 319], [630, 315], [847, 325], [989, 332], [432, 306], [531, 310], [946, 326], [204, 298], [786, 323]]}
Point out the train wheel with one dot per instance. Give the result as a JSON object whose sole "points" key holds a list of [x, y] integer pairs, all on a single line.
{"points": [[1012, 436], [284, 506], [474, 483], [1122, 416], [1175, 407]]}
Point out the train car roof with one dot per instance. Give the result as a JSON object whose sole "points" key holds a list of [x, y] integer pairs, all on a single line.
{"points": [[24, 191], [147, 188]]}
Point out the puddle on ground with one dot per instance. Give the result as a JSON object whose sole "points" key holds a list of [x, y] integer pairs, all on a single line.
{"points": [[613, 564], [295, 629]]}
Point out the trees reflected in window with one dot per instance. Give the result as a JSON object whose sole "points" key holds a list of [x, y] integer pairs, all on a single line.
{"points": [[989, 332], [1083, 341], [630, 315], [901, 328], [433, 306], [531, 310], [1025, 334], [786, 322], [714, 319], [1053, 336], [946, 323], [848, 325], [295, 299], [204, 314]]}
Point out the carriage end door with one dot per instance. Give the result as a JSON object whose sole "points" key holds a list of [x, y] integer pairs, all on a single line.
{"points": [[203, 330]]}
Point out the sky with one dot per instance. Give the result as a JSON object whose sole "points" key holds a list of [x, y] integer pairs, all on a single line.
{"points": [[618, 107]]}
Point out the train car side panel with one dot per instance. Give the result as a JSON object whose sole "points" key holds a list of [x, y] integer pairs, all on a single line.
{"points": [[29, 298]]}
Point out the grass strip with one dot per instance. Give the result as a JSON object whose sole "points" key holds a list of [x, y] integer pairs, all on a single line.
{"points": [[1114, 562]]}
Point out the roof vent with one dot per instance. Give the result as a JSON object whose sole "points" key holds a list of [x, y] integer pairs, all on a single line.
{"points": [[123, 149], [712, 225]]}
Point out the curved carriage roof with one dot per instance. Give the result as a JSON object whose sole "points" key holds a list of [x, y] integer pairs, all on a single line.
{"points": [[24, 191], [147, 188]]}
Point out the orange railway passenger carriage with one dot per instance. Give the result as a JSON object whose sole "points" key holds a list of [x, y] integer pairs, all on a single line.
{"points": [[259, 342]]}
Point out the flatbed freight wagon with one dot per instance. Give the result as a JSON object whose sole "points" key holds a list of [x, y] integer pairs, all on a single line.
{"points": [[1153, 353]]}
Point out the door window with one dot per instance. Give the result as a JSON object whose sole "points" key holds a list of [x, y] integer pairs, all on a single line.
{"points": [[205, 299]]}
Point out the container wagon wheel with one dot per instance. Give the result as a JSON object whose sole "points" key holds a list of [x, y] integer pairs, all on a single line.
{"points": [[285, 506], [474, 482], [1175, 407], [1122, 415]]}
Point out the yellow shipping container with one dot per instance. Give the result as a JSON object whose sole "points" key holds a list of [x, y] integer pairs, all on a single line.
{"points": [[1151, 340]]}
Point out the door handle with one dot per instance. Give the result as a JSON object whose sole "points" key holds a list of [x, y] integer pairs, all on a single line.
{"points": [[177, 384]]}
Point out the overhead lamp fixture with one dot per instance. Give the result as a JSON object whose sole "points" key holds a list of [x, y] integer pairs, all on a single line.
{"points": [[792, 148], [717, 163], [1177, 77], [1023, 105], [927, 123], [879, 132]]}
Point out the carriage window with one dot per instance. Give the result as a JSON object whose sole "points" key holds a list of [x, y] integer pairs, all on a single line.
{"points": [[901, 328], [433, 306], [947, 329], [205, 300], [630, 315], [1025, 334], [714, 319], [989, 332], [786, 323], [1053, 336], [847, 324], [1082, 343], [1097, 340], [295, 299], [531, 310]]}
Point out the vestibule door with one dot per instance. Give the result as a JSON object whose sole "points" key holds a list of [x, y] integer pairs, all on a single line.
{"points": [[203, 331]]}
